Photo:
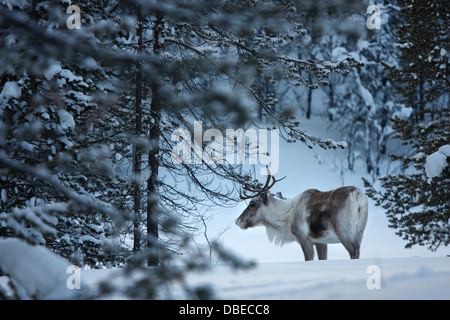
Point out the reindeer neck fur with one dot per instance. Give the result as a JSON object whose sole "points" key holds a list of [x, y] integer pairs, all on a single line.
{"points": [[277, 217]]}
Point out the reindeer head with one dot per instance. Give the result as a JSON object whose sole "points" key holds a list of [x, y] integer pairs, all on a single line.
{"points": [[252, 216]]}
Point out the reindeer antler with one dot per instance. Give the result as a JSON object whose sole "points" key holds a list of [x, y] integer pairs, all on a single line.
{"points": [[266, 187]]}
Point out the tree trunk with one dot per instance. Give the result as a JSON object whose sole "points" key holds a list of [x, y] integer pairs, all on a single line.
{"points": [[331, 104], [137, 151], [153, 156], [308, 110]]}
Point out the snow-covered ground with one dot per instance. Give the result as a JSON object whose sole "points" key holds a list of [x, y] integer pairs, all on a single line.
{"points": [[47, 276], [393, 278]]}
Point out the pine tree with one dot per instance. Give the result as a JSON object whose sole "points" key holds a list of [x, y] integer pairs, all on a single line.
{"points": [[417, 203], [47, 121]]}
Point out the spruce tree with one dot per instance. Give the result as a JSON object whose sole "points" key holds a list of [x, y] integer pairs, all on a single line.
{"points": [[417, 203], [51, 118]]}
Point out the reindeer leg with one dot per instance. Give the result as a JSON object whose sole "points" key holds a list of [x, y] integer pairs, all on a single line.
{"points": [[308, 249], [350, 242], [352, 248], [305, 242], [321, 251]]}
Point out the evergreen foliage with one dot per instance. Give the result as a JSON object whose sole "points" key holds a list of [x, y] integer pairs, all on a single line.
{"points": [[417, 203]]}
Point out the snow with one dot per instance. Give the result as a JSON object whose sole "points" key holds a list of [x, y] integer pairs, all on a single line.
{"points": [[342, 144], [90, 64], [3, 195], [44, 275], [35, 271], [366, 95], [401, 278], [10, 90], [65, 73], [51, 71], [404, 113], [65, 141], [437, 161], [445, 150], [65, 119], [22, 4], [26, 146], [89, 238]]}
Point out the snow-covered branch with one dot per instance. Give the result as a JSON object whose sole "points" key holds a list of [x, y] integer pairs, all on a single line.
{"points": [[82, 201]]}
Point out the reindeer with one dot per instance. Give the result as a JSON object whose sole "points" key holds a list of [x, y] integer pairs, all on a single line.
{"points": [[312, 218]]}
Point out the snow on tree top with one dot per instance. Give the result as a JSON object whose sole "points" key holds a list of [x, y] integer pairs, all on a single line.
{"points": [[437, 161]]}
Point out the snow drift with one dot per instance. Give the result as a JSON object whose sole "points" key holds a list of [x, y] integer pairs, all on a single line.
{"points": [[38, 273], [399, 278], [35, 272]]}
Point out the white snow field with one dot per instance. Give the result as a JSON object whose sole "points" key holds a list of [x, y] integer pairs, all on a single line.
{"points": [[44, 275], [392, 278]]}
